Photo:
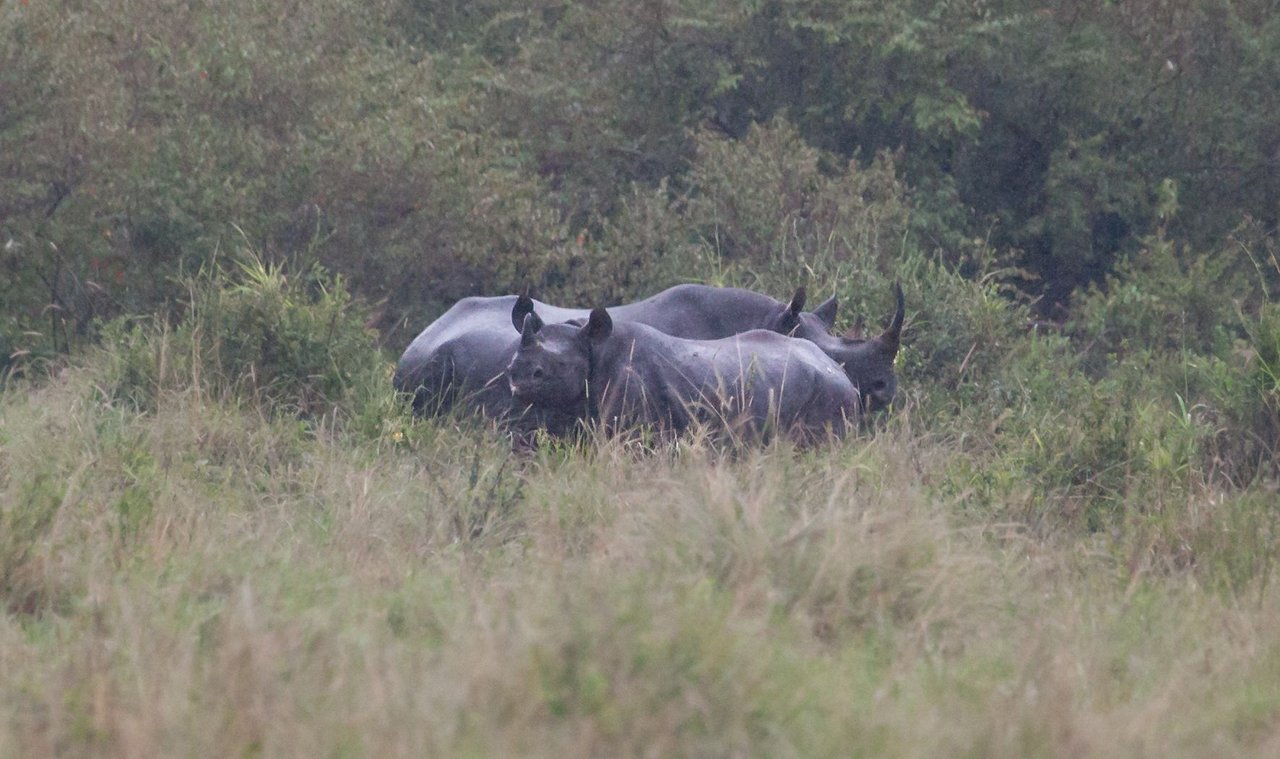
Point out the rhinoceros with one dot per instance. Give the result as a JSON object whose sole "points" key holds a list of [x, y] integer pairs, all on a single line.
{"points": [[625, 375], [464, 353], [867, 361]]}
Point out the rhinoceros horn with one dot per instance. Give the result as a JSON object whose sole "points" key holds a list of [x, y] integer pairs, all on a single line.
{"points": [[890, 339]]}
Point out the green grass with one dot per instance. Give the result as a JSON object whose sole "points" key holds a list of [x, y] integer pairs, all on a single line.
{"points": [[206, 578]]}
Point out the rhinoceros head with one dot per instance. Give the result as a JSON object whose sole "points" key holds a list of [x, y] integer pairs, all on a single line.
{"points": [[868, 362], [552, 364]]}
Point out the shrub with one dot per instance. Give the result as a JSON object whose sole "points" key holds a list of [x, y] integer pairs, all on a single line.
{"points": [[1162, 301], [296, 344], [1199, 328], [770, 198], [139, 138], [768, 212]]}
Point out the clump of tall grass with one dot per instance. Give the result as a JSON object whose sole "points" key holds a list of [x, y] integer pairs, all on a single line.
{"points": [[206, 576], [295, 342]]}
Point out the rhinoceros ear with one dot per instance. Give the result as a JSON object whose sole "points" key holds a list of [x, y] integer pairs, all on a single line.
{"points": [[859, 329], [529, 330], [797, 301], [598, 327], [522, 308], [790, 318], [826, 311], [891, 338]]}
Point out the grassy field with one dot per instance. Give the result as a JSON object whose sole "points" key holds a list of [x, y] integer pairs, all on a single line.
{"points": [[189, 571], [222, 536]]}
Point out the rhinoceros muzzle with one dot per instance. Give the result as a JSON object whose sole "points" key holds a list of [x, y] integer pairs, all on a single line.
{"points": [[521, 393]]}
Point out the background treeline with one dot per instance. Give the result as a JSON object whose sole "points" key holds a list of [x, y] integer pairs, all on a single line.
{"points": [[430, 150]]}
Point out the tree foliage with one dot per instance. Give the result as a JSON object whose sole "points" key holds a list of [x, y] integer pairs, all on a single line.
{"points": [[429, 150]]}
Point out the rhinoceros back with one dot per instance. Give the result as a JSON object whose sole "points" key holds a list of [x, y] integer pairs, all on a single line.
{"points": [[463, 354]]}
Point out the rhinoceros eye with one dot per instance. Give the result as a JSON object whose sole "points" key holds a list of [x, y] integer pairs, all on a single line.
{"points": [[537, 372]]}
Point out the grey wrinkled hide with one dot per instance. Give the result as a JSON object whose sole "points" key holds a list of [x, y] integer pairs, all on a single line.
{"points": [[868, 362], [626, 375], [465, 352]]}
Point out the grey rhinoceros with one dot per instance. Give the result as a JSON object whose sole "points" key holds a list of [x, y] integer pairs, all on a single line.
{"points": [[464, 353], [624, 375]]}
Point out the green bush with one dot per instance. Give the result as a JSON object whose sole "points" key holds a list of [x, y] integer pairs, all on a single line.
{"points": [[771, 199], [1159, 300], [1199, 330], [1249, 395], [298, 345], [767, 211], [140, 139]]}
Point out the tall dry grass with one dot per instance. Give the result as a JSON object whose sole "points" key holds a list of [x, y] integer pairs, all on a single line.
{"points": [[204, 578]]}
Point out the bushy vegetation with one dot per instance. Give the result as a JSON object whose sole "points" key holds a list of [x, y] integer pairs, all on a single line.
{"points": [[221, 533], [195, 561], [429, 150], [295, 345]]}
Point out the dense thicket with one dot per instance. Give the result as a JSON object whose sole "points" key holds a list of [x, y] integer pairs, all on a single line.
{"points": [[431, 150]]}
